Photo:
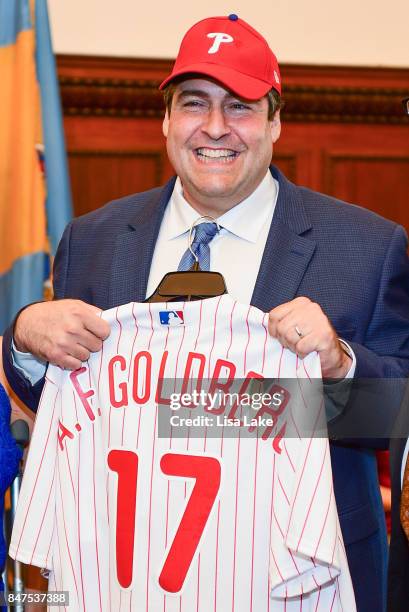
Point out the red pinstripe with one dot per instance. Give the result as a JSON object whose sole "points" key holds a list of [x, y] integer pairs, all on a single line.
{"points": [[170, 445], [120, 330], [264, 324], [61, 587], [152, 330], [313, 497], [109, 417], [140, 407], [341, 543], [248, 342], [134, 339], [200, 324], [254, 523], [65, 529], [151, 479], [95, 517], [42, 520], [150, 511], [100, 367], [279, 363], [269, 543], [235, 518], [325, 520], [38, 474], [300, 479], [335, 542], [276, 564], [283, 490], [217, 555], [198, 584], [217, 530], [278, 524], [231, 329], [288, 456], [214, 336], [274, 512], [49, 546], [68, 462], [305, 370], [294, 423], [79, 525]]}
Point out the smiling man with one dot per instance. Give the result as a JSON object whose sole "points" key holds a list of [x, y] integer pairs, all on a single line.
{"points": [[219, 144], [327, 272]]}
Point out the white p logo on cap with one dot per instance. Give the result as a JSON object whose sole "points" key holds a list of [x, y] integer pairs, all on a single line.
{"points": [[219, 38]]}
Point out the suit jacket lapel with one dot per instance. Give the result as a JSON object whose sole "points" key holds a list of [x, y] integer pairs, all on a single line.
{"points": [[134, 250], [287, 253]]}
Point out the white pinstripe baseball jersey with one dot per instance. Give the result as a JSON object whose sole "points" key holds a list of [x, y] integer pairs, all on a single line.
{"points": [[126, 519]]}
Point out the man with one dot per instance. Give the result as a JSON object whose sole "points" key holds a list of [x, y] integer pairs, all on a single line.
{"points": [[324, 269], [398, 570]]}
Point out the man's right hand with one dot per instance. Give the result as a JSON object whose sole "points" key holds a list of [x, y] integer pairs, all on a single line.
{"points": [[63, 332]]}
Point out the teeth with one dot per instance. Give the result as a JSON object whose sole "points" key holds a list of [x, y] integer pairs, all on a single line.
{"points": [[216, 153]]}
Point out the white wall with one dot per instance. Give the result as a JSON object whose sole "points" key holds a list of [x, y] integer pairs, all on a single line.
{"points": [[354, 32]]}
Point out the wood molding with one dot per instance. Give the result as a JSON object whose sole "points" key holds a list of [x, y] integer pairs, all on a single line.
{"points": [[330, 159], [155, 156], [124, 87]]}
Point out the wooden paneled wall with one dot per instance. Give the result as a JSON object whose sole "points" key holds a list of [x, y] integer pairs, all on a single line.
{"points": [[344, 131]]}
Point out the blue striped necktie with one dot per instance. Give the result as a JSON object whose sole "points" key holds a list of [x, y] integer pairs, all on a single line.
{"points": [[204, 233]]}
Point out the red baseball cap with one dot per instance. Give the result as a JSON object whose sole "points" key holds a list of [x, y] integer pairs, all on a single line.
{"points": [[230, 51]]}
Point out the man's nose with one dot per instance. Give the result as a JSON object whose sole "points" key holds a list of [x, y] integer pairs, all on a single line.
{"points": [[216, 125]]}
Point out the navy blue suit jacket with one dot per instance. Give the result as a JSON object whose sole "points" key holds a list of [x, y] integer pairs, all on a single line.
{"points": [[352, 262], [398, 574]]}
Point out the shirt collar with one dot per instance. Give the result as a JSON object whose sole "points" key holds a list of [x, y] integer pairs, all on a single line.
{"points": [[245, 220]]}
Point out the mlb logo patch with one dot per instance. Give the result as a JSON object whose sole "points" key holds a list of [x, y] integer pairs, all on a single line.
{"points": [[171, 317]]}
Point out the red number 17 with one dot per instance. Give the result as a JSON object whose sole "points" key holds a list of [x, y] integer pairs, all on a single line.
{"points": [[206, 471]]}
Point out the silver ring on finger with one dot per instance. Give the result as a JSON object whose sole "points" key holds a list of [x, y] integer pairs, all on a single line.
{"points": [[298, 331]]}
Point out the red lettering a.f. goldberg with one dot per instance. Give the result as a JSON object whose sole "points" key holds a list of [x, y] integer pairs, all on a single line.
{"points": [[82, 394], [165, 401], [144, 374], [65, 433], [123, 400]]}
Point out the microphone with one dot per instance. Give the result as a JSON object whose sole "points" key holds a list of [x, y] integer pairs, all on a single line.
{"points": [[21, 433]]}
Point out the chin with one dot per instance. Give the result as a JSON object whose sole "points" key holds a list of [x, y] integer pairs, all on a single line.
{"points": [[216, 190]]}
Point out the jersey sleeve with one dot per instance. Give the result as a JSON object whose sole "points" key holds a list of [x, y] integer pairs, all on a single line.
{"points": [[35, 516], [304, 555]]}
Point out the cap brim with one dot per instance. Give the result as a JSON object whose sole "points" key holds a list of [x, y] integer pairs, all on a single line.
{"points": [[242, 85]]}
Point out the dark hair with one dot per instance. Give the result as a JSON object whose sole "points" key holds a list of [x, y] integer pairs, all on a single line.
{"points": [[274, 99]]}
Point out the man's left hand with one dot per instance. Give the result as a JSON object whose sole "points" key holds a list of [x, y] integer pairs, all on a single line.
{"points": [[303, 327]]}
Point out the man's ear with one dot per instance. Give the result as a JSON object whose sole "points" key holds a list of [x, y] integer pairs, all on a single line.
{"points": [[165, 124], [275, 126]]}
